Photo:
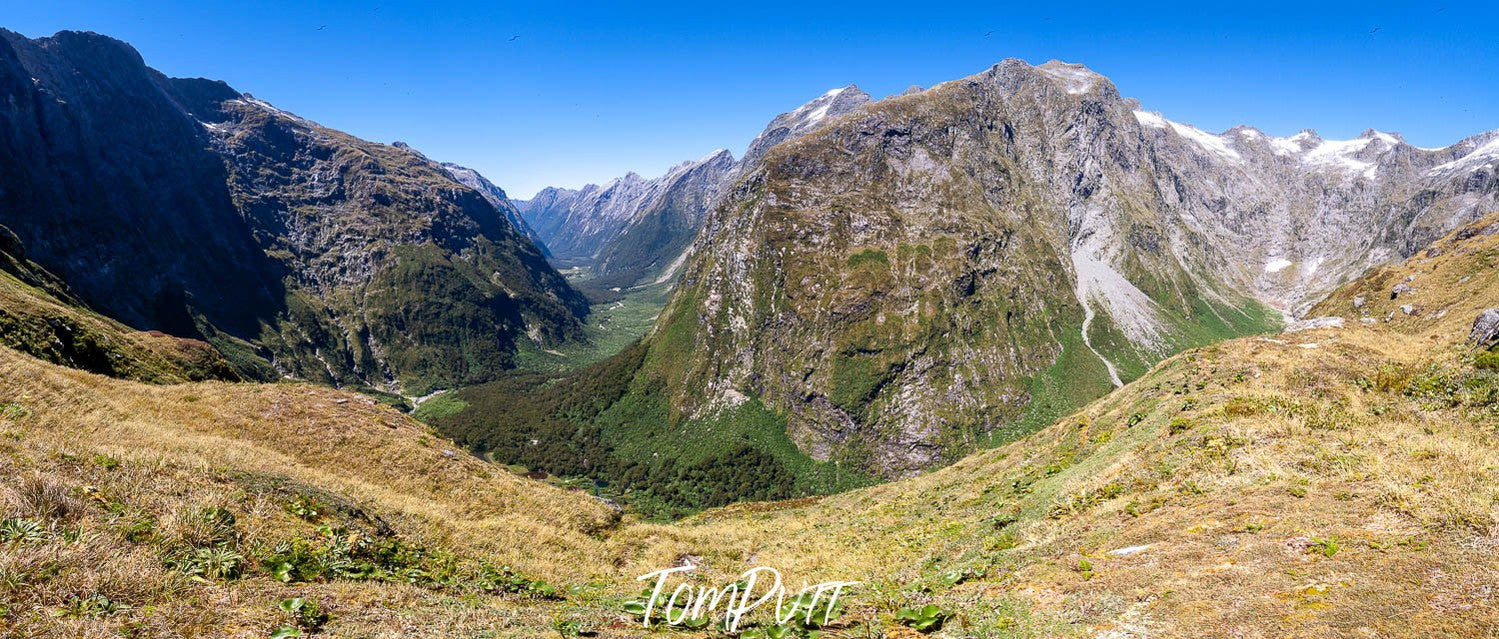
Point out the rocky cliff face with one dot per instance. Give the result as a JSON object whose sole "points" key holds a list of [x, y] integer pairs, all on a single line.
{"points": [[185, 206], [495, 196], [113, 187], [941, 267], [633, 229]]}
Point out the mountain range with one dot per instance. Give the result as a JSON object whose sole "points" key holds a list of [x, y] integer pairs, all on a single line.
{"points": [[954, 267], [184, 206], [632, 230]]}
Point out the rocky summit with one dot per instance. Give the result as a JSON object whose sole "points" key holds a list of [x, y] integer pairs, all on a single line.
{"points": [[185, 206]]}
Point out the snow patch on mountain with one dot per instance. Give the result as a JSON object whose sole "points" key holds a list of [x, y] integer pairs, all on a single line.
{"points": [[1152, 120], [1483, 157], [1291, 145], [1213, 144], [1341, 155]]}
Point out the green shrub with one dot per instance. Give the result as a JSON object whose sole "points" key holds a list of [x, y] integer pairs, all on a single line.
{"points": [[924, 619], [1181, 425], [305, 614], [1085, 568], [305, 508], [92, 607]]}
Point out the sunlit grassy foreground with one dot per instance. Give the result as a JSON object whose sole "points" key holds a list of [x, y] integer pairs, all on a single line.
{"points": [[1331, 482]]}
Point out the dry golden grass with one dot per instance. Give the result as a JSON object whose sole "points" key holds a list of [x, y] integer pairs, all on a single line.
{"points": [[106, 453], [1327, 483]]}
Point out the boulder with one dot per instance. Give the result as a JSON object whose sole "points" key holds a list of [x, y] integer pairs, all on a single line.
{"points": [[1485, 331]]}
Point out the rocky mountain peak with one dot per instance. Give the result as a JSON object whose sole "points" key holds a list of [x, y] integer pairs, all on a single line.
{"points": [[1075, 79], [806, 118], [965, 205]]}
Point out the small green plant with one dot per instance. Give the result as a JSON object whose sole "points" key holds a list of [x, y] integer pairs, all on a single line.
{"points": [[1487, 360], [106, 462], [1297, 491], [954, 577], [305, 508], [23, 531], [1416, 544], [924, 619], [567, 626], [218, 524], [770, 632], [92, 607], [1327, 546], [1180, 425], [212, 564], [638, 607], [305, 614], [1085, 568], [13, 411], [809, 612], [137, 529], [695, 623]]}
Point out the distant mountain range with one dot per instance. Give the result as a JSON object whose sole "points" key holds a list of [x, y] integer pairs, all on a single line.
{"points": [[632, 230]]}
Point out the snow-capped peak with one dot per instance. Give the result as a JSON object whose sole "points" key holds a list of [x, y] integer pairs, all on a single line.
{"points": [[1213, 144], [1391, 139], [1486, 156], [714, 154]]}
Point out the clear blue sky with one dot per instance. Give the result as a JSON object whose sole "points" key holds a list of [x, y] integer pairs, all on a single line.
{"points": [[544, 93]]}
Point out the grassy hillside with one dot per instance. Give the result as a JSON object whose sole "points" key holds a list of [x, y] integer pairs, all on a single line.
{"points": [[40, 316], [194, 509]]}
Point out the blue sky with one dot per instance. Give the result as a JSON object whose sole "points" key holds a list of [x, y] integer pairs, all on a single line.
{"points": [[536, 94]]}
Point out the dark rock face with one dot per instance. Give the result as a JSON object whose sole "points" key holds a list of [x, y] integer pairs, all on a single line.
{"points": [[112, 186], [184, 206]]}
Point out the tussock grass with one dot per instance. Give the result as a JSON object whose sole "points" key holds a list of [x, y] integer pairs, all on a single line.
{"points": [[129, 483]]}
